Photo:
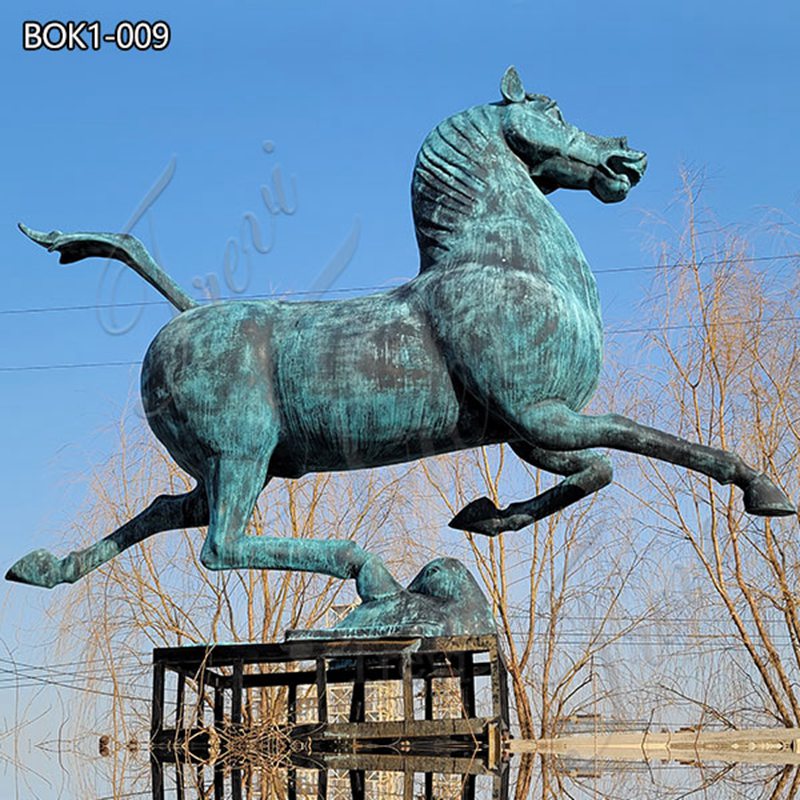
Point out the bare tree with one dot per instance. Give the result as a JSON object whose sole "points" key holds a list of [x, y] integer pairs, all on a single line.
{"points": [[562, 589], [725, 369]]}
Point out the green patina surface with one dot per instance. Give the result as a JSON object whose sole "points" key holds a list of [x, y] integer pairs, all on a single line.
{"points": [[498, 339], [442, 600]]}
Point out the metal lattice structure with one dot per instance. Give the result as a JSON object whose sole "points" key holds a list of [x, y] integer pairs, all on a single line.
{"points": [[303, 714]]}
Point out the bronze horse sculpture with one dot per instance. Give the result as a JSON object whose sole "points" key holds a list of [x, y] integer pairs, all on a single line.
{"points": [[497, 339]]}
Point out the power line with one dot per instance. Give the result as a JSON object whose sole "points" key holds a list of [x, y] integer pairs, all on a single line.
{"points": [[96, 673], [709, 642], [702, 263], [692, 325], [81, 365], [82, 662], [612, 332], [317, 293], [31, 681]]}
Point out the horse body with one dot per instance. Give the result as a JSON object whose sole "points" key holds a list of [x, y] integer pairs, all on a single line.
{"points": [[344, 385], [498, 339]]}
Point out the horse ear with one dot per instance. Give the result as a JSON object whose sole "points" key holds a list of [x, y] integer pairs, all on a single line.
{"points": [[511, 86]]}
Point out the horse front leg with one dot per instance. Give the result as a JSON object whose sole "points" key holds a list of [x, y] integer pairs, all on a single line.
{"points": [[555, 426], [586, 473]]}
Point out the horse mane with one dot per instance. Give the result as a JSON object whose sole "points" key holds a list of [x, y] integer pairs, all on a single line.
{"points": [[449, 175]]}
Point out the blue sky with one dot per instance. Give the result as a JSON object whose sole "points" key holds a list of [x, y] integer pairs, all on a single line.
{"points": [[345, 92]]}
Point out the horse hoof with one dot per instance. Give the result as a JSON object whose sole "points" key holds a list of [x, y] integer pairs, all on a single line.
{"points": [[480, 516], [39, 568], [764, 498], [375, 582]]}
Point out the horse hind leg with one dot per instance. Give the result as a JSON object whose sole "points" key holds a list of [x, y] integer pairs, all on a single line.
{"points": [[165, 513], [233, 488], [587, 472]]}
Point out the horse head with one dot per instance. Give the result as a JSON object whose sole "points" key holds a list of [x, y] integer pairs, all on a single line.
{"points": [[559, 155]]}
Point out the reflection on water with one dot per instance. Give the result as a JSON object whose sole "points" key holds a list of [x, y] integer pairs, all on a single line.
{"points": [[353, 777], [416, 720], [544, 778], [124, 774]]}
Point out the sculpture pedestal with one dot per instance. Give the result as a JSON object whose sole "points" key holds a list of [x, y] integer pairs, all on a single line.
{"points": [[450, 701]]}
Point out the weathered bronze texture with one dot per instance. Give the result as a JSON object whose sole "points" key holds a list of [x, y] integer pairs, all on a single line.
{"points": [[442, 600], [498, 339]]}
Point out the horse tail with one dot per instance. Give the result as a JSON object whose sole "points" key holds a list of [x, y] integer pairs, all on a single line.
{"points": [[120, 246]]}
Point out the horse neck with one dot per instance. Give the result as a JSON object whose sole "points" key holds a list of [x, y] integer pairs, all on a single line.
{"points": [[474, 202]]}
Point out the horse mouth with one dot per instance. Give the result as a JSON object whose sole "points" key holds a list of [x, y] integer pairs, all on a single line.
{"points": [[609, 179], [618, 174], [626, 167]]}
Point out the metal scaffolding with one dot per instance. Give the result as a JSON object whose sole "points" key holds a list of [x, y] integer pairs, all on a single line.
{"points": [[413, 706]]}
